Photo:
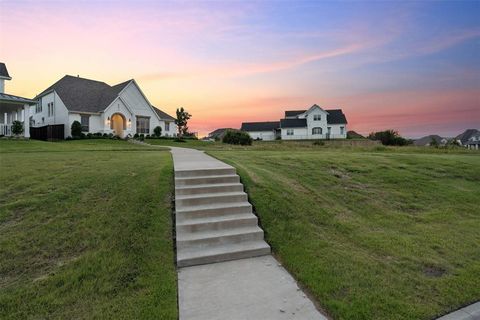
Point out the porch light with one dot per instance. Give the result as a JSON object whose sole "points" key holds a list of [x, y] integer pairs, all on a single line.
{"points": [[108, 121]]}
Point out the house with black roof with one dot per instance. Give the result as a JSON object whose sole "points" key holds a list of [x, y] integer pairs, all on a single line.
{"points": [[122, 109], [313, 123]]}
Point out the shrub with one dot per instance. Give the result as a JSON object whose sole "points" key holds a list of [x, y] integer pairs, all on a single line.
{"points": [[157, 131], [76, 129], [318, 143], [389, 138], [135, 136], [17, 128], [141, 137], [237, 137], [89, 135]]}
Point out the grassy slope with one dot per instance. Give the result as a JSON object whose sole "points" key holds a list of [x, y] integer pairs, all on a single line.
{"points": [[372, 235], [85, 234]]}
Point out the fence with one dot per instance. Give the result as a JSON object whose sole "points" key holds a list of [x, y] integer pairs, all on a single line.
{"points": [[50, 132]]}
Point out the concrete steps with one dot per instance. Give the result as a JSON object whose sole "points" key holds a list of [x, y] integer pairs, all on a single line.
{"points": [[214, 220]]}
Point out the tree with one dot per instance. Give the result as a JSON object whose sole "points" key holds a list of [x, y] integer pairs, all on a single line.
{"points": [[157, 131], [76, 129], [237, 137], [389, 138], [182, 121], [17, 128], [434, 143]]}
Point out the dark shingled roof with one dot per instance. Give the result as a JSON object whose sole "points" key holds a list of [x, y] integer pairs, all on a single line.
{"points": [[336, 116], [260, 126], [463, 137], [425, 141], [85, 95], [293, 113], [162, 115], [293, 123], [4, 71], [11, 99]]}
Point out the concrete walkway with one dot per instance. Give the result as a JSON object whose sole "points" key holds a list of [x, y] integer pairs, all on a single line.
{"points": [[471, 312], [225, 267]]}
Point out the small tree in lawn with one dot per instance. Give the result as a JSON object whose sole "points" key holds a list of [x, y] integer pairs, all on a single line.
{"points": [[17, 128], [182, 120], [434, 143], [157, 131], [76, 129]]}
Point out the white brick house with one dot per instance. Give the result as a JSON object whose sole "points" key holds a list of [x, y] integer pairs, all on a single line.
{"points": [[314, 123], [122, 109]]}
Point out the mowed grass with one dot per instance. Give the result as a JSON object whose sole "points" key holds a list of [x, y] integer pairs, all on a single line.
{"points": [[86, 231], [390, 234]]}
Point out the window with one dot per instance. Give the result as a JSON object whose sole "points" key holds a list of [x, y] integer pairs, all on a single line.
{"points": [[317, 130], [85, 121], [167, 126], [289, 132], [342, 130], [143, 125], [50, 109], [38, 107], [317, 117]]}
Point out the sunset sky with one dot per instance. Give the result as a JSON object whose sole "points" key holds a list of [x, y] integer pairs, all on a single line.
{"points": [[411, 66]]}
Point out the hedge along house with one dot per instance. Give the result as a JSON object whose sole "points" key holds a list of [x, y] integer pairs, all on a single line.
{"points": [[122, 110], [12, 108], [314, 123]]}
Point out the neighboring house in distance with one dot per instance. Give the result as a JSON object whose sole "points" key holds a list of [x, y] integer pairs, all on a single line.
{"points": [[218, 134], [314, 123], [426, 141], [12, 108], [463, 137], [122, 109], [474, 141]]}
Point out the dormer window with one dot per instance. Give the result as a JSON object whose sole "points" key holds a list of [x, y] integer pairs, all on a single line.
{"points": [[317, 117]]}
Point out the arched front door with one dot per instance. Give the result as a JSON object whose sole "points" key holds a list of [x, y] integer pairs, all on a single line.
{"points": [[118, 123]]}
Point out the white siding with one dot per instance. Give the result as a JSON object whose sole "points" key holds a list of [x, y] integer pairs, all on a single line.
{"points": [[335, 131], [262, 135], [298, 134], [60, 112]]}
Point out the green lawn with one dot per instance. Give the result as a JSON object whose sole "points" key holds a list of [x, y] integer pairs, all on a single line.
{"points": [[379, 233], [86, 231]]}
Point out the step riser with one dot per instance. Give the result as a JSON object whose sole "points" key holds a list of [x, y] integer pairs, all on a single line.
{"points": [[204, 172], [209, 200], [223, 257], [206, 189], [209, 213], [252, 236], [220, 225], [214, 180]]}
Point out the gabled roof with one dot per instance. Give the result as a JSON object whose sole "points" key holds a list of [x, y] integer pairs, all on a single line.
{"points": [[424, 141], [293, 113], [336, 116], [4, 72], [463, 137], [85, 95], [293, 123], [162, 115], [260, 126]]}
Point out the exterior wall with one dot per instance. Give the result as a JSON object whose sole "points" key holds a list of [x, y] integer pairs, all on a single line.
{"points": [[136, 102], [335, 131], [262, 135], [298, 134], [60, 113], [311, 123]]}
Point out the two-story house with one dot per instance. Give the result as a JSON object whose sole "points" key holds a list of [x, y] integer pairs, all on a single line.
{"points": [[314, 123]]}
